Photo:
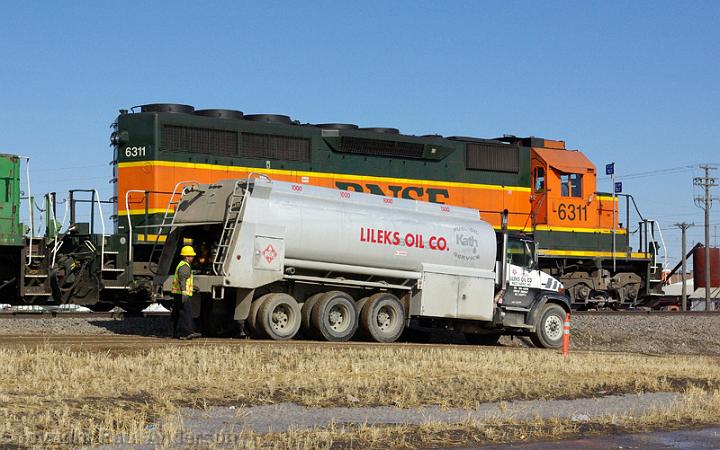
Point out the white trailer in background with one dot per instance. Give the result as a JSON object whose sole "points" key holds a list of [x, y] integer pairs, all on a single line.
{"points": [[282, 257]]}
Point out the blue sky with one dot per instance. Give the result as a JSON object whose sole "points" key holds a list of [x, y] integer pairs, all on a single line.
{"points": [[626, 81]]}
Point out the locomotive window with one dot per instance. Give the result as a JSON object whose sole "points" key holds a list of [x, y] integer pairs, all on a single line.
{"points": [[492, 157], [539, 179], [207, 141], [275, 147], [571, 185]]}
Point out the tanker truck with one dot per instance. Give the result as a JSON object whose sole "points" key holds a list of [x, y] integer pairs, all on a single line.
{"points": [[286, 258]]}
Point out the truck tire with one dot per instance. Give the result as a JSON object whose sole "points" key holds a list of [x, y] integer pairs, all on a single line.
{"points": [[482, 339], [360, 334], [549, 327], [279, 317], [360, 303], [252, 317], [306, 315], [334, 317], [383, 318]]}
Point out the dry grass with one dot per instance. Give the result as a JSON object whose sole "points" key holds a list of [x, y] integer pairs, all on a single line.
{"points": [[88, 397]]}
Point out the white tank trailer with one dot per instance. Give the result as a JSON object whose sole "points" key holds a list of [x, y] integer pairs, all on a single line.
{"points": [[284, 258]]}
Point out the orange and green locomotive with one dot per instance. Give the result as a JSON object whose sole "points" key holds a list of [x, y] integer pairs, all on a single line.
{"points": [[549, 192]]}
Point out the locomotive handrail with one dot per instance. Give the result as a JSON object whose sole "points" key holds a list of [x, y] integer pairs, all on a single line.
{"points": [[167, 212], [30, 209], [662, 240], [129, 220], [96, 197], [57, 244], [160, 226]]}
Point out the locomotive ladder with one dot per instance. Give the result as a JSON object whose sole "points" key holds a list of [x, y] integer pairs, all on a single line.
{"points": [[236, 204], [157, 249]]}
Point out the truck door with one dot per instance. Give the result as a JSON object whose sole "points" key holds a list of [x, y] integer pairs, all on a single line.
{"points": [[538, 196], [522, 282]]}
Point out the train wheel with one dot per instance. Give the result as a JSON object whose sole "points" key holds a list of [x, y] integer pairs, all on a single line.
{"points": [[279, 317], [334, 317], [383, 318], [482, 339], [306, 315], [255, 331], [549, 327]]}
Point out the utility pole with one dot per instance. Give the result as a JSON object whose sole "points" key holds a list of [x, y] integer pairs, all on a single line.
{"points": [[705, 202], [683, 227]]}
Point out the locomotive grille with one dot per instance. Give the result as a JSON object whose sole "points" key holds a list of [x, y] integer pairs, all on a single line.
{"points": [[494, 157], [377, 147], [207, 141], [275, 147]]}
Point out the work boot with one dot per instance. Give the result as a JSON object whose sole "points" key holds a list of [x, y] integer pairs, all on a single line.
{"points": [[191, 336]]}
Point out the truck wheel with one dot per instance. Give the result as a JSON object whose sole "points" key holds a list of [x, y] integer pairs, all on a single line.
{"points": [[334, 317], [482, 339], [252, 317], [383, 318], [279, 317], [549, 327], [306, 314]]}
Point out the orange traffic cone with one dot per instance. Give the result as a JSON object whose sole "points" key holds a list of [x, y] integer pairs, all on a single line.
{"points": [[566, 336]]}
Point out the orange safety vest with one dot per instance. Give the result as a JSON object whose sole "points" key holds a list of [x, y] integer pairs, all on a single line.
{"points": [[176, 288]]}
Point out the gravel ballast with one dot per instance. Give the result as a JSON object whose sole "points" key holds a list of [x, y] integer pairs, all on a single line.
{"points": [[651, 334]]}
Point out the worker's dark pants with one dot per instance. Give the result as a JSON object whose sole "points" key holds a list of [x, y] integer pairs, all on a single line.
{"points": [[181, 316]]}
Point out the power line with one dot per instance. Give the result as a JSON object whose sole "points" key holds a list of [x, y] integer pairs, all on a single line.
{"points": [[652, 173]]}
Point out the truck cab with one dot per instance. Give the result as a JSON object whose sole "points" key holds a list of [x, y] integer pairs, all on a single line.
{"points": [[531, 297]]}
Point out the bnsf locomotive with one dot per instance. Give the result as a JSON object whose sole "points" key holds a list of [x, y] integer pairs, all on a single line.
{"points": [[548, 191]]}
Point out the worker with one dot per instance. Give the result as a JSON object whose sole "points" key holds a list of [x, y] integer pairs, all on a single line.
{"points": [[182, 290]]}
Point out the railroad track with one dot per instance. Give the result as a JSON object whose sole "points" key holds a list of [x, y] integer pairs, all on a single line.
{"points": [[645, 313], [73, 315], [58, 314]]}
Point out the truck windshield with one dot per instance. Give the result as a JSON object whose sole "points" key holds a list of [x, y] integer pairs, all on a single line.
{"points": [[519, 253]]}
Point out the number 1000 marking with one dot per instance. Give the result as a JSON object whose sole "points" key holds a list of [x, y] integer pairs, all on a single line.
{"points": [[133, 152], [572, 212]]}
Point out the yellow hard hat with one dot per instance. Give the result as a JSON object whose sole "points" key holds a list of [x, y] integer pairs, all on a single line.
{"points": [[187, 251]]}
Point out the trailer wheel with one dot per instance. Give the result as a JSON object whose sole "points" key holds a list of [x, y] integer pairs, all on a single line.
{"points": [[334, 317], [279, 317], [549, 327], [252, 317], [482, 339], [383, 318], [306, 315]]}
